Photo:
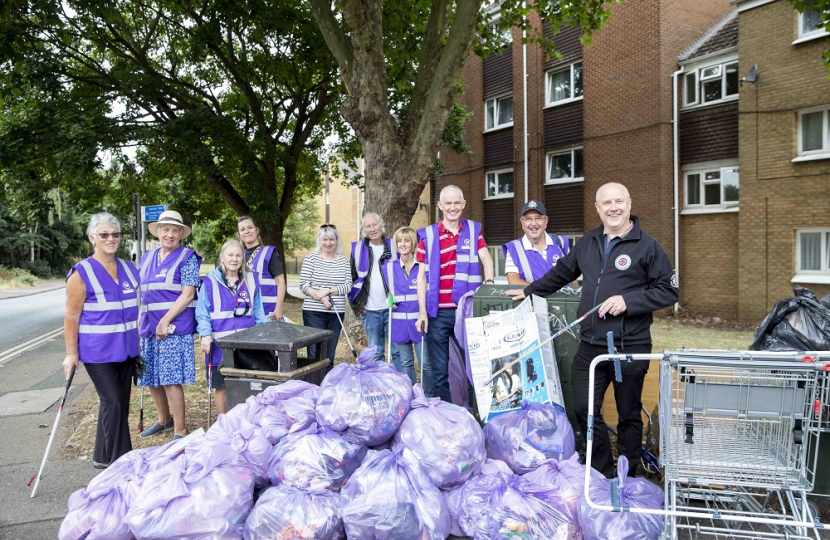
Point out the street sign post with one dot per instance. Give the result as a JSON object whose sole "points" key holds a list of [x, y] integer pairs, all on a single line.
{"points": [[152, 213]]}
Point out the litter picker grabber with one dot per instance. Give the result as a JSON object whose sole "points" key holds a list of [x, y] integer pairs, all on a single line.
{"points": [[39, 474], [209, 364], [539, 346], [345, 331], [423, 340]]}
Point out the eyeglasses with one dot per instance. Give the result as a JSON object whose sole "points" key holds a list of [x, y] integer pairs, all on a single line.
{"points": [[247, 307], [105, 235], [327, 226], [537, 219]]}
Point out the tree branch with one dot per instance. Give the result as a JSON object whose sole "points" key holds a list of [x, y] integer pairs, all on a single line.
{"points": [[338, 42]]}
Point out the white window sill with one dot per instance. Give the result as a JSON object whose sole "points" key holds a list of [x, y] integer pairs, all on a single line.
{"points": [[811, 36], [811, 157], [498, 128], [562, 181], [709, 210], [723, 101], [497, 197], [817, 279], [563, 102]]}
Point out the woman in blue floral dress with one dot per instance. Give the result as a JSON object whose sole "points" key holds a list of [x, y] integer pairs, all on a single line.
{"points": [[170, 277]]}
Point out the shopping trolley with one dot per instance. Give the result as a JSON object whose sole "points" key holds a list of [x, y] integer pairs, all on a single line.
{"points": [[738, 441]]}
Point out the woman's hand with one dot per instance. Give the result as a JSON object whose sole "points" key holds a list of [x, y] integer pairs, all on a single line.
{"points": [[205, 344], [69, 362], [277, 314], [162, 329], [327, 303]]}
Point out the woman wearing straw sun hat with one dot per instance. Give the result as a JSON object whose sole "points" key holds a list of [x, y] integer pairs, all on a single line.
{"points": [[169, 278]]}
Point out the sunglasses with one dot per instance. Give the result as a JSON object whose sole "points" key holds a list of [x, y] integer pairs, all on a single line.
{"points": [[327, 226], [105, 235]]}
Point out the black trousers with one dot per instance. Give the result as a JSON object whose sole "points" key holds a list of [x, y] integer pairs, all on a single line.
{"points": [[112, 381], [628, 395]]}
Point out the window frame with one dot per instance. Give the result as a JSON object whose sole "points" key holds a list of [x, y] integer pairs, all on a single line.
{"points": [[824, 151], [814, 33], [561, 69], [700, 80], [497, 196], [562, 152], [822, 275], [702, 169], [496, 99]]}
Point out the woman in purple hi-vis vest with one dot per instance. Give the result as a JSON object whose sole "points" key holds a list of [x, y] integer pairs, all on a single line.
{"points": [[267, 267], [169, 277], [408, 286], [101, 330], [229, 301]]}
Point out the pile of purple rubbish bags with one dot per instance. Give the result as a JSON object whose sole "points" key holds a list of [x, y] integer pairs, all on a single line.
{"points": [[364, 456]]}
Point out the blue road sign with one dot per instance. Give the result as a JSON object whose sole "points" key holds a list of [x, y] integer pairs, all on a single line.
{"points": [[152, 213]]}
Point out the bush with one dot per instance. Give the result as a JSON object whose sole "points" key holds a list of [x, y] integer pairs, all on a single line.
{"points": [[16, 277], [38, 268]]}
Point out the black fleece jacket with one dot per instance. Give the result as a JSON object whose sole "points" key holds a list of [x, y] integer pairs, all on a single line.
{"points": [[637, 268]]}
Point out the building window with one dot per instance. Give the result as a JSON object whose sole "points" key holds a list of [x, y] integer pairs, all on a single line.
{"points": [[500, 184], [499, 112], [710, 84], [813, 132], [813, 251], [809, 23], [712, 188], [564, 167], [564, 85]]}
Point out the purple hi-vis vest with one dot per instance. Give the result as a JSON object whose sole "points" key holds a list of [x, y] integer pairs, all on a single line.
{"points": [[223, 302], [266, 283], [161, 285], [360, 255], [108, 330], [467, 269], [405, 290], [531, 264]]}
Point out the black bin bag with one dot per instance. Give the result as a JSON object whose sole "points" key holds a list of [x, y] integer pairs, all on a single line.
{"points": [[801, 323], [256, 360]]}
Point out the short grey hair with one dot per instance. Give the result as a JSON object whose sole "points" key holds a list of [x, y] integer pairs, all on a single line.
{"points": [[99, 219], [377, 217], [603, 186], [449, 188], [329, 232], [233, 242]]}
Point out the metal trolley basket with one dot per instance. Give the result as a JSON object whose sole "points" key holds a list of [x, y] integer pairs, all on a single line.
{"points": [[738, 441]]}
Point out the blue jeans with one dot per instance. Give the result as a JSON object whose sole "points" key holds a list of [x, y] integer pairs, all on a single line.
{"points": [[405, 360], [440, 331], [376, 324], [325, 321]]}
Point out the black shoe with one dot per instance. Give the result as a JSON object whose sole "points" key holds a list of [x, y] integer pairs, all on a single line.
{"points": [[97, 465]]}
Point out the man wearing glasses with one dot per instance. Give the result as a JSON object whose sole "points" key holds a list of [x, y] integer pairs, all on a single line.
{"points": [[532, 255]]}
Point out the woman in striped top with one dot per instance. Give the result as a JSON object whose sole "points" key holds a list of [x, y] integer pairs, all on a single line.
{"points": [[325, 279]]}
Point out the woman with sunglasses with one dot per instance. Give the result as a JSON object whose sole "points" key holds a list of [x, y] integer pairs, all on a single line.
{"points": [[101, 330], [229, 301], [325, 279], [169, 277]]}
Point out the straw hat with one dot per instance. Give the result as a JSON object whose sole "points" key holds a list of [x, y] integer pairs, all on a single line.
{"points": [[173, 218]]}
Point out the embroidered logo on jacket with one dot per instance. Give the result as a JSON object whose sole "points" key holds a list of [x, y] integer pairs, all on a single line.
{"points": [[622, 262]]}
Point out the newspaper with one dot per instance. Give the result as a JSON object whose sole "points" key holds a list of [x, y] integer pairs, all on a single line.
{"points": [[496, 340]]}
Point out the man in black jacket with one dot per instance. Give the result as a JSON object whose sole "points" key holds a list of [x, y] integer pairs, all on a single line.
{"points": [[629, 274]]}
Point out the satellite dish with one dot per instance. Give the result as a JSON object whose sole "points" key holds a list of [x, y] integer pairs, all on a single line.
{"points": [[752, 76]]}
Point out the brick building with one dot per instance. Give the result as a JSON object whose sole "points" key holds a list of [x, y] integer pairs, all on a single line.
{"points": [[605, 112]]}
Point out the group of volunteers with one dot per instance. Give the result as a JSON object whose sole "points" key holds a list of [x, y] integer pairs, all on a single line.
{"points": [[422, 275]]}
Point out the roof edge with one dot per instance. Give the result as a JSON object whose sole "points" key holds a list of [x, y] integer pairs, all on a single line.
{"points": [[687, 54]]}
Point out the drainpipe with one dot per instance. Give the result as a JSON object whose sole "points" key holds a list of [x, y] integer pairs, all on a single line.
{"points": [[676, 159], [524, 99]]}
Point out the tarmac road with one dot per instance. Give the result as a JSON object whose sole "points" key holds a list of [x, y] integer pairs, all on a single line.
{"points": [[25, 318]]}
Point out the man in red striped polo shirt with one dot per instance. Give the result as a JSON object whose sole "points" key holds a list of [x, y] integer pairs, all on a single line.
{"points": [[455, 256]]}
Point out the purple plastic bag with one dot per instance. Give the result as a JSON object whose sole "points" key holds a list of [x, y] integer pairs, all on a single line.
{"points": [[204, 495], [287, 512], [525, 438], [97, 512], [509, 506], [366, 402], [454, 494], [566, 476], [389, 498], [246, 439], [282, 408], [443, 438], [634, 493], [314, 458]]}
